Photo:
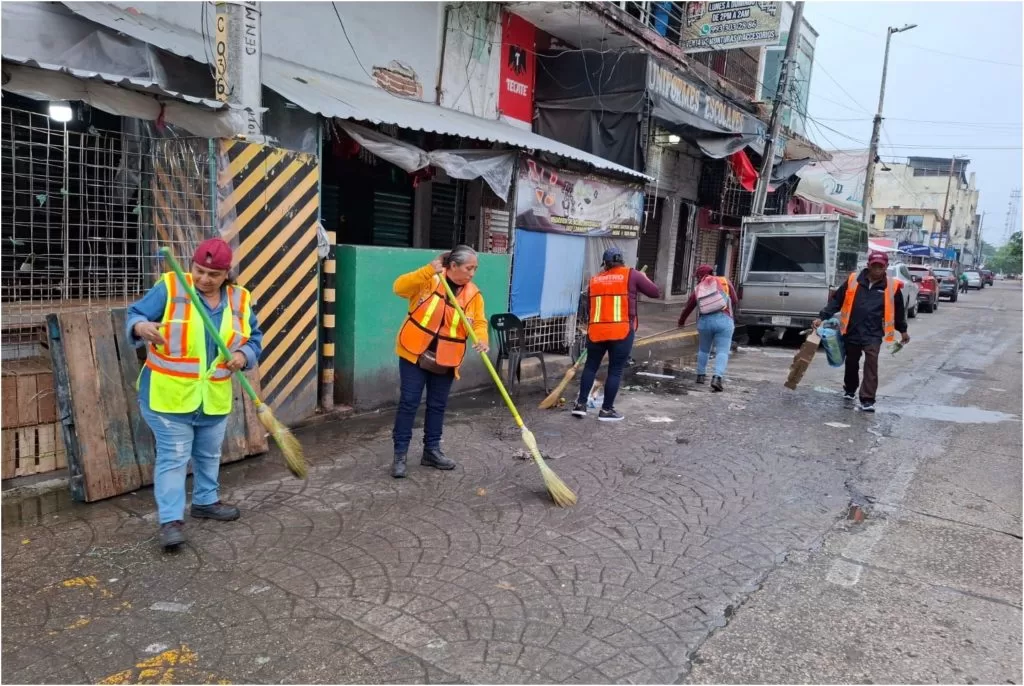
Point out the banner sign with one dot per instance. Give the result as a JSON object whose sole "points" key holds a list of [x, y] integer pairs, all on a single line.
{"points": [[729, 25], [556, 201], [695, 105], [518, 68]]}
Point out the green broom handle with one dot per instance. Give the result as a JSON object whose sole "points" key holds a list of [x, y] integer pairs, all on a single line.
{"points": [[487, 360], [201, 309]]}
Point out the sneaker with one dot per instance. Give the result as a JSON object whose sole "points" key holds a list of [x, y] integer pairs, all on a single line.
{"points": [[579, 410], [433, 457], [172, 534], [867, 406], [609, 416], [701, 378], [219, 511], [849, 396]]}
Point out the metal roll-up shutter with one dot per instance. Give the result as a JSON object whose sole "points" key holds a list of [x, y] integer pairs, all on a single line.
{"points": [[447, 218], [647, 248], [392, 219]]}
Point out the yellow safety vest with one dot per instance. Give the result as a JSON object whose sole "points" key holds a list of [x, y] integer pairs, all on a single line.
{"points": [[181, 378]]}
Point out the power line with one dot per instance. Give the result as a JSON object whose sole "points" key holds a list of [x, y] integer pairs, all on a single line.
{"points": [[847, 93], [921, 47]]}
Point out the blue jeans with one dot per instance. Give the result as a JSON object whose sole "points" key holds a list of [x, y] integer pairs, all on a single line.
{"points": [[714, 328], [413, 381], [179, 438], [618, 355]]}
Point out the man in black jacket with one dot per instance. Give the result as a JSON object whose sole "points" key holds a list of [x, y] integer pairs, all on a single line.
{"points": [[870, 309]]}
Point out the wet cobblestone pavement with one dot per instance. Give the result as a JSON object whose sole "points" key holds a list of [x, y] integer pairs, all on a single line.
{"points": [[465, 576]]}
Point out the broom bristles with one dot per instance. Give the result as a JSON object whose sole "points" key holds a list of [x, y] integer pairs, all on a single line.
{"points": [[560, 493], [286, 441], [554, 396]]}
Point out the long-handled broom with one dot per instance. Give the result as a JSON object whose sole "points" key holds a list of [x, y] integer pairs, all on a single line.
{"points": [[285, 439], [560, 493]]}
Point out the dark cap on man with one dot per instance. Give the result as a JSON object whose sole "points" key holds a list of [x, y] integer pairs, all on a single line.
{"points": [[613, 256]]}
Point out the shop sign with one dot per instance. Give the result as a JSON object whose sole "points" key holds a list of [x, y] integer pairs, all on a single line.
{"points": [[698, 102], [518, 68], [730, 25], [556, 201]]}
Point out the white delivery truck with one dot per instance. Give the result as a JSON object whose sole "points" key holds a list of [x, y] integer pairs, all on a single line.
{"points": [[790, 266]]}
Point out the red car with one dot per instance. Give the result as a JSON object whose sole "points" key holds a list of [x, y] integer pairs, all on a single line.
{"points": [[987, 278], [928, 287]]}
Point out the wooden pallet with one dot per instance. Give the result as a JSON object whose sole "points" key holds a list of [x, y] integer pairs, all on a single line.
{"points": [[28, 397], [33, 450], [110, 449]]}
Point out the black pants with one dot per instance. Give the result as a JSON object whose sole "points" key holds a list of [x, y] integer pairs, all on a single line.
{"points": [[618, 355], [852, 379]]}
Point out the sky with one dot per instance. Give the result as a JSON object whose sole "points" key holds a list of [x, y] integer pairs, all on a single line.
{"points": [[976, 86]]}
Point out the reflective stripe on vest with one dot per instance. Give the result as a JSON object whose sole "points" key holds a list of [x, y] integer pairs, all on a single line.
{"points": [[889, 308], [434, 319], [181, 378], [609, 305]]}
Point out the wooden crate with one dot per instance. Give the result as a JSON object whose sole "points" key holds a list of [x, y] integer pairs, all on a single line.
{"points": [[33, 450], [28, 395]]}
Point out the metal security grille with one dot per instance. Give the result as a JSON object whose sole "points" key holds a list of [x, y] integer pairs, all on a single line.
{"points": [[81, 209], [447, 215], [707, 246], [647, 248], [392, 219]]}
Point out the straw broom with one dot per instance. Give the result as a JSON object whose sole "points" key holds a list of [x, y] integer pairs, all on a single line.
{"points": [[285, 439], [560, 493]]}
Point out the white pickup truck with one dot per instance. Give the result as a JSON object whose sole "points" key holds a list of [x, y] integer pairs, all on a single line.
{"points": [[791, 264]]}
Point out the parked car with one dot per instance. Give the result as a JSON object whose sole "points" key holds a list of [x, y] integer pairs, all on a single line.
{"points": [[987, 278], [927, 286], [947, 283], [901, 273], [974, 280]]}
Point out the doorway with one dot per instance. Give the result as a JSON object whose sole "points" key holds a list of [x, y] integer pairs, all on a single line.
{"points": [[680, 267]]}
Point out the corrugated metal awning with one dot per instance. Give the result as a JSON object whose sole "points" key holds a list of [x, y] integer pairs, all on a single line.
{"points": [[333, 96]]}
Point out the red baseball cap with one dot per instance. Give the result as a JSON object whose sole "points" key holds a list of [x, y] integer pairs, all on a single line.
{"points": [[213, 253], [878, 257]]}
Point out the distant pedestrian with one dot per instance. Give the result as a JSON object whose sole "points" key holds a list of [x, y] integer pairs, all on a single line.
{"points": [[963, 282], [431, 347], [612, 327], [714, 298], [871, 309]]}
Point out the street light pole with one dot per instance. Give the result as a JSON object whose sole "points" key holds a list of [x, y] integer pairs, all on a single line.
{"points": [[869, 178]]}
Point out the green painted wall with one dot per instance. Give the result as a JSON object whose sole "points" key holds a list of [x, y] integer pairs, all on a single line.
{"points": [[369, 315]]}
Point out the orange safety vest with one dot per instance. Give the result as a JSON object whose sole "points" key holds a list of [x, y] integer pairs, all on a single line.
{"points": [[889, 316], [609, 305], [435, 318]]}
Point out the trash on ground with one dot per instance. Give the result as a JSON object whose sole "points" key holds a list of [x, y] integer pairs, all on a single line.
{"points": [[837, 425], [656, 376], [660, 420]]}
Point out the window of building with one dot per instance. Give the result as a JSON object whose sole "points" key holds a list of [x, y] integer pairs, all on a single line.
{"points": [[897, 222]]}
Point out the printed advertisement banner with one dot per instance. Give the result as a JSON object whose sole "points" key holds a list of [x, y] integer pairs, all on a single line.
{"points": [[518, 69], [729, 25], [556, 201]]}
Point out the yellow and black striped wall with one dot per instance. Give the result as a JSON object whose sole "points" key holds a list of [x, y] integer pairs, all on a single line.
{"points": [[267, 209]]}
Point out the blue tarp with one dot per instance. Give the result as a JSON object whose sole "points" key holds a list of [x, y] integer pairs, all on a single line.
{"points": [[547, 274]]}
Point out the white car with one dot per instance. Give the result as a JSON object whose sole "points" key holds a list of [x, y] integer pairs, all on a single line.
{"points": [[974, 280], [909, 289]]}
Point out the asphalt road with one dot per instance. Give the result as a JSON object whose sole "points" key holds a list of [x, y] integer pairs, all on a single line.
{"points": [[710, 544]]}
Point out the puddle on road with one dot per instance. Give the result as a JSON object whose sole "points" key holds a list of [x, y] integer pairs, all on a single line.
{"points": [[949, 413], [663, 378]]}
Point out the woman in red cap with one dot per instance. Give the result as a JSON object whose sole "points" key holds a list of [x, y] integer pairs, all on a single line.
{"points": [[185, 385]]}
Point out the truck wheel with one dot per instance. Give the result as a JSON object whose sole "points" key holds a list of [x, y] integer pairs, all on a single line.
{"points": [[755, 335]]}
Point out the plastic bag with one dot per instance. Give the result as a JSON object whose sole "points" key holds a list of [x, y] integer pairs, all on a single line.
{"points": [[832, 341]]}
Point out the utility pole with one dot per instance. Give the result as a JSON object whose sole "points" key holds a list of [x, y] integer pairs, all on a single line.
{"points": [[869, 177], [944, 229], [238, 52], [775, 123]]}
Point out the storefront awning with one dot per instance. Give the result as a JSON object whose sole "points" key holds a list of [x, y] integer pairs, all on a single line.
{"points": [[333, 96]]}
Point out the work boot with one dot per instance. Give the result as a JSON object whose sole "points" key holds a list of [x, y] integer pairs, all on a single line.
{"points": [[172, 534], [579, 410], [716, 384], [701, 378], [433, 457], [220, 511], [398, 467]]}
